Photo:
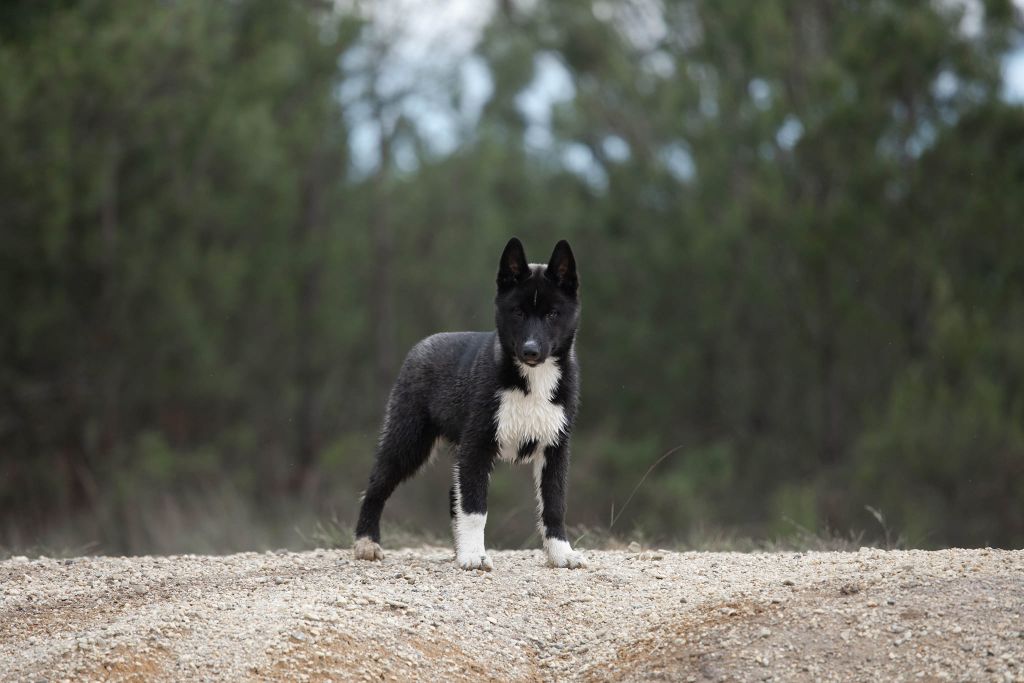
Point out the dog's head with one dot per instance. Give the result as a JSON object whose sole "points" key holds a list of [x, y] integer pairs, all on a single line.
{"points": [[537, 306]]}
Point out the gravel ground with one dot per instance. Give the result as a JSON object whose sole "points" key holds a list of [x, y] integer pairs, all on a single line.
{"points": [[870, 615]]}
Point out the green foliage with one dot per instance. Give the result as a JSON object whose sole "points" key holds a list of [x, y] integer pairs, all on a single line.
{"points": [[798, 226]]}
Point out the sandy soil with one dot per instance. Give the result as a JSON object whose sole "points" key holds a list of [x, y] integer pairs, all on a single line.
{"points": [[316, 616]]}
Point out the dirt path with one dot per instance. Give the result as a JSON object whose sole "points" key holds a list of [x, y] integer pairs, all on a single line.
{"points": [[870, 615]]}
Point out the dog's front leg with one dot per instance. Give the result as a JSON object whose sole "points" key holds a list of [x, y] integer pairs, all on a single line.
{"points": [[469, 508], [550, 475]]}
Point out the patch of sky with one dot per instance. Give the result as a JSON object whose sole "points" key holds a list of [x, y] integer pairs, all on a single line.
{"points": [[641, 22], [1013, 76], [551, 85], [945, 85], [760, 93], [790, 132], [476, 89], [410, 53], [615, 149], [578, 159], [678, 161], [658, 63], [921, 139], [707, 83], [971, 14]]}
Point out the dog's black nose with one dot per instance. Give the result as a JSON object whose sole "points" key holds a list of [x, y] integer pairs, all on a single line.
{"points": [[531, 351]]}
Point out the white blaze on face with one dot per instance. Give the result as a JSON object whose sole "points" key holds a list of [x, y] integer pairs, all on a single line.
{"points": [[524, 417]]}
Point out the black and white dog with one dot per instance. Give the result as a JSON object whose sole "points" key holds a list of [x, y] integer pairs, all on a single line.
{"points": [[510, 394]]}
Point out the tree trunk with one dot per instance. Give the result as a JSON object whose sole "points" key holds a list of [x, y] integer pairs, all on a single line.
{"points": [[307, 237], [382, 280]]}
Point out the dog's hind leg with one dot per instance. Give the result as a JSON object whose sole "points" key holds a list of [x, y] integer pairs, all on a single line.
{"points": [[405, 444]]}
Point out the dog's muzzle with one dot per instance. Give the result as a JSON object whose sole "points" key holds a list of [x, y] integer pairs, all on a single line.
{"points": [[531, 353]]}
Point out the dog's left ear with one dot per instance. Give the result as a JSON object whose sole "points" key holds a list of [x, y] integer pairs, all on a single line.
{"points": [[562, 268]]}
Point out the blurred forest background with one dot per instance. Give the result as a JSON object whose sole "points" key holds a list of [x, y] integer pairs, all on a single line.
{"points": [[800, 228]]}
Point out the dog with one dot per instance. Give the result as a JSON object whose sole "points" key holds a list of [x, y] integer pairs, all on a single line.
{"points": [[509, 394]]}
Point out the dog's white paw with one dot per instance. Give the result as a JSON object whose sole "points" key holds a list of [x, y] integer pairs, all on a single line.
{"points": [[365, 549], [476, 560], [561, 555]]}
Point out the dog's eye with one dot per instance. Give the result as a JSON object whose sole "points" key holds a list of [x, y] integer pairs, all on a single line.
{"points": [[518, 312], [552, 315]]}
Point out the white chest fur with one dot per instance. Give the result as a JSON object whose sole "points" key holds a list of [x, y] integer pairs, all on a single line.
{"points": [[525, 417]]}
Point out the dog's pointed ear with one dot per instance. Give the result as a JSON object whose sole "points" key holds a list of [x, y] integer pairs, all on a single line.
{"points": [[513, 266], [562, 268]]}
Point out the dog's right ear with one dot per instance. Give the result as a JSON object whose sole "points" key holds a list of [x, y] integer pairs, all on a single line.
{"points": [[513, 267]]}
